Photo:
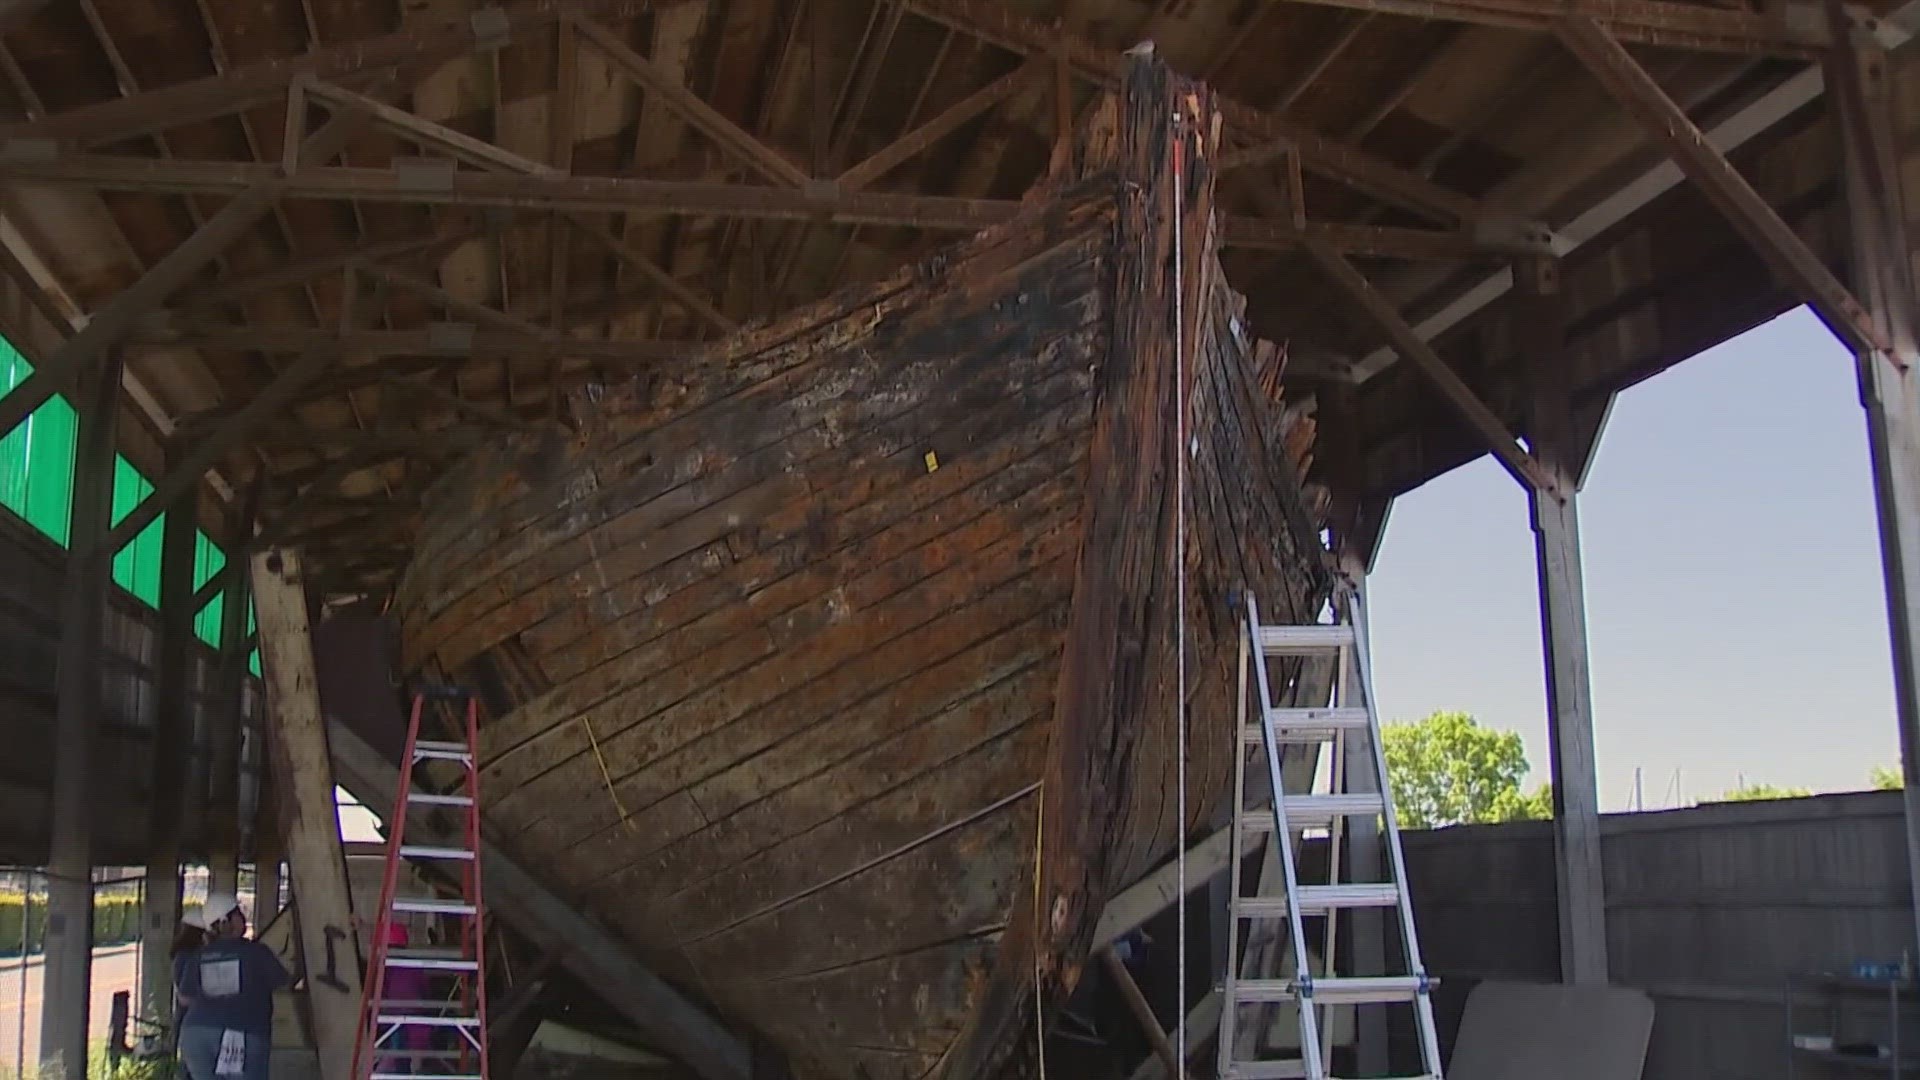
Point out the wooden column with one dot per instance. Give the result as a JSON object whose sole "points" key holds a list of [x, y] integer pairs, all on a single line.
{"points": [[224, 718], [269, 847], [63, 1018], [172, 761], [1565, 445], [297, 745], [1880, 252]]}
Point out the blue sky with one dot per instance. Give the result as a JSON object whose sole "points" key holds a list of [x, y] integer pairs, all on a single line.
{"points": [[1734, 604]]}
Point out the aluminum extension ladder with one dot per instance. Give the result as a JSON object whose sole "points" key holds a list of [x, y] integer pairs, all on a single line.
{"points": [[391, 1027], [1349, 725]]}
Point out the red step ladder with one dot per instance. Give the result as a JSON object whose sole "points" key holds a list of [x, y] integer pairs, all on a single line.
{"points": [[387, 1045]]}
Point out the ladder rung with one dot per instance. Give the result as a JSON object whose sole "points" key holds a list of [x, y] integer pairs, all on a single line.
{"points": [[433, 1054], [1304, 640], [418, 1003], [433, 905], [1306, 725], [1320, 899], [1316, 811], [1363, 991], [1266, 1070], [430, 799], [429, 963], [444, 751], [425, 851], [411, 1020]]}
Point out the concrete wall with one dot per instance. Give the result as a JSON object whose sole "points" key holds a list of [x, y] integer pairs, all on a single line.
{"points": [[1707, 910], [31, 576]]}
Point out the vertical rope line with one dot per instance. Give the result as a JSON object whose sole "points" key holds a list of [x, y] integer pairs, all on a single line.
{"points": [[1180, 590]]}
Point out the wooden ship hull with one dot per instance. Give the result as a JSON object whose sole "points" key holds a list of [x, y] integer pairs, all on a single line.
{"points": [[804, 658]]}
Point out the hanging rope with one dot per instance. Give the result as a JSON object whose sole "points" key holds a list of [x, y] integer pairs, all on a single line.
{"points": [[1180, 589]]}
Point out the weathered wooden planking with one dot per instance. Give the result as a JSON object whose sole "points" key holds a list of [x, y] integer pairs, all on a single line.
{"points": [[504, 502], [851, 508], [721, 726], [964, 700], [792, 599]]}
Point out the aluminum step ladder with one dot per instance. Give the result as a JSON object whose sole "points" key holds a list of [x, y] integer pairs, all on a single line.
{"points": [[440, 778], [1349, 725]]}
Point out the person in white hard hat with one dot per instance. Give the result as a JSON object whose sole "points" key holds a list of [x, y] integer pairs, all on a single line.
{"points": [[227, 988]]}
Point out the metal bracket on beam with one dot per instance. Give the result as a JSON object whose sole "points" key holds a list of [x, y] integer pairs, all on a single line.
{"points": [[453, 337], [1512, 232], [491, 27], [424, 173]]}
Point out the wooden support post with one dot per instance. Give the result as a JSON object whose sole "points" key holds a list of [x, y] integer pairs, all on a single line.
{"points": [[69, 941], [224, 719], [269, 849], [1880, 251], [172, 763], [1142, 1011], [297, 739], [1566, 447]]}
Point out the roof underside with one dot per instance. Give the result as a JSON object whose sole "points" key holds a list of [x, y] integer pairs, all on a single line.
{"points": [[1425, 150]]}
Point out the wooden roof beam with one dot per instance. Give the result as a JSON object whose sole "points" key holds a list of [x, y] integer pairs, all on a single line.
{"points": [[1795, 28], [450, 187], [656, 274], [994, 22], [253, 84], [956, 116], [729, 136], [442, 339], [106, 327], [1772, 238], [232, 290], [1378, 311], [1494, 239]]}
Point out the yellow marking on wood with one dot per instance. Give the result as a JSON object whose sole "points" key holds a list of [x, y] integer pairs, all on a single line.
{"points": [[933, 462]]}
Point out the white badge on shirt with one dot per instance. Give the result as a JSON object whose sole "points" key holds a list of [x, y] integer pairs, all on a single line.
{"points": [[233, 1054], [220, 978]]}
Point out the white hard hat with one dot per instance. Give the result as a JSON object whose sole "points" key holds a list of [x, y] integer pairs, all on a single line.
{"points": [[195, 916], [219, 905]]}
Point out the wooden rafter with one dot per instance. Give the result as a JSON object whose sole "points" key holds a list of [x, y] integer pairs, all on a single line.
{"points": [[444, 339], [1389, 323], [1649, 22], [917, 141], [258, 83], [768, 161], [994, 22], [1772, 238], [583, 194]]}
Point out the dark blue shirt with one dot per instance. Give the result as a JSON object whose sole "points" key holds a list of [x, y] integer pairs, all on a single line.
{"points": [[229, 984]]}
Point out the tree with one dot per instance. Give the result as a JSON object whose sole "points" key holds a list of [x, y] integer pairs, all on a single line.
{"points": [[1448, 770], [1886, 778], [1758, 792]]}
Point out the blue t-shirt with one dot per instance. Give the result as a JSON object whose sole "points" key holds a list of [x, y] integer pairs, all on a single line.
{"points": [[229, 983]]}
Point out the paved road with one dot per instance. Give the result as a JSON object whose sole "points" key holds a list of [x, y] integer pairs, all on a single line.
{"points": [[114, 968]]}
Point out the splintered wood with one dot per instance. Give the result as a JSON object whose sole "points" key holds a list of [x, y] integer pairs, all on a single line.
{"points": [[786, 646]]}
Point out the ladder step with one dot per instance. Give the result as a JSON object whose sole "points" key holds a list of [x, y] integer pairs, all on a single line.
{"points": [[1306, 725], [1304, 640], [442, 751], [1320, 899], [433, 905], [430, 799], [1363, 991], [425, 851], [1266, 1070], [1311, 811], [411, 1020], [429, 963], [434, 1054], [418, 1003]]}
